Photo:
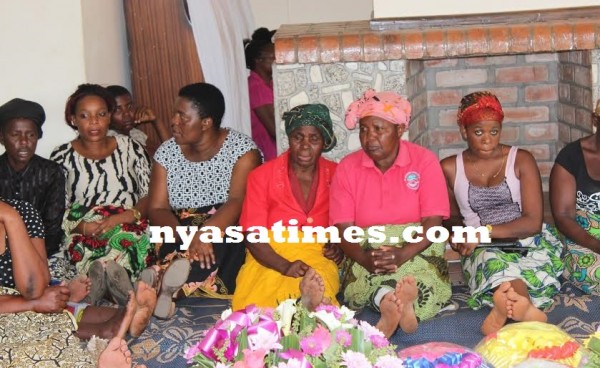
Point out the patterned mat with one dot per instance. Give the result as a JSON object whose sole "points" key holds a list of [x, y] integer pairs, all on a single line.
{"points": [[164, 342]]}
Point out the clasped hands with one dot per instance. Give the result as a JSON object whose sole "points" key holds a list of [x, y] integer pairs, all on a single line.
{"points": [[386, 259]]}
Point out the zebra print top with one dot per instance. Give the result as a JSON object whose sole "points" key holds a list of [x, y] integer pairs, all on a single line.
{"points": [[122, 178]]}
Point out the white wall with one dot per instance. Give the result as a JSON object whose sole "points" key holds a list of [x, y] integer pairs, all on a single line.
{"points": [[43, 56], [274, 13], [399, 8], [105, 42]]}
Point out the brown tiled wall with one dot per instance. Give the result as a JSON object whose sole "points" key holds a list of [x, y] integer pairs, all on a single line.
{"points": [[575, 96]]}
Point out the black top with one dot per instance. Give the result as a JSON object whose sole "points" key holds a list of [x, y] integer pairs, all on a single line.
{"points": [[41, 183], [35, 229], [587, 189]]}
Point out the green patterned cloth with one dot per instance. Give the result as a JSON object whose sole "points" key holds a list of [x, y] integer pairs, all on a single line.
{"points": [[429, 268], [582, 265], [127, 244], [487, 268], [32, 339]]}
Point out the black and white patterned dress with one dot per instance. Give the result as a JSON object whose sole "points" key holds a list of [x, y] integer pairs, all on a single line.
{"points": [[121, 178], [35, 229], [196, 190], [96, 189]]}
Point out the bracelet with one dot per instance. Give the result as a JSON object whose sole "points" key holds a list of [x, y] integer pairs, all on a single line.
{"points": [[136, 214], [489, 229]]}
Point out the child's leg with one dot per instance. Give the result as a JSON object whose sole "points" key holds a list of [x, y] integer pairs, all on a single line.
{"points": [[106, 322]]}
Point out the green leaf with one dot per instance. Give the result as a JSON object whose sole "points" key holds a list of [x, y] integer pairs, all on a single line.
{"points": [[358, 341], [242, 340], [290, 342], [531, 278], [493, 266], [508, 257]]}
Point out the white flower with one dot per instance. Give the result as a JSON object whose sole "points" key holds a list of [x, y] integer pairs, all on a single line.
{"points": [[286, 311], [352, 359], [327, 318], [369, 330], [264, 339], [347, 313], [221, 365], [388, 361], [226, 313]]}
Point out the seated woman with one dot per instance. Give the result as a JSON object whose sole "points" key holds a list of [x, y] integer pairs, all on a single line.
{"points": [[199, 179], [260, 54], [106, 183], [574, 192], [34, 325], [27, 176], [294, 186], [130, 120], [391, 184], [499, 186]]}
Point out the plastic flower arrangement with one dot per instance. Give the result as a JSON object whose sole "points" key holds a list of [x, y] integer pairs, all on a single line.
{"points": [[290, 336]]}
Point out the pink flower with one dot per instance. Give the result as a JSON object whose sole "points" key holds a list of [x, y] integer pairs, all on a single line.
{"points": [[191, 352], [292, 363], [352, 359], [369, 330], [316, 343], [379, 341], [329, 309], [343, 338], [252, 359]]}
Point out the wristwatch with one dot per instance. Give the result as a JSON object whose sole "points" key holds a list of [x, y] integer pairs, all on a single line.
{"points": [[136, 214]]}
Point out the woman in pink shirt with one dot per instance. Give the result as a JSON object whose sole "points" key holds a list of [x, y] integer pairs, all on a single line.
{"points": [[387, 186], [260, 54]]}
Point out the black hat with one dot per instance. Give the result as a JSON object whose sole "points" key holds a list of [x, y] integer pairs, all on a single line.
{"points": [[22, 109]]}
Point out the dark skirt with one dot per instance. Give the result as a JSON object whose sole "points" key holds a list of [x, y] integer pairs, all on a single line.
{"points": [[218, 281]]}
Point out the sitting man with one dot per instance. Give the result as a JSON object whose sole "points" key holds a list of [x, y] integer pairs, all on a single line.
{"points": [[127, 116]]}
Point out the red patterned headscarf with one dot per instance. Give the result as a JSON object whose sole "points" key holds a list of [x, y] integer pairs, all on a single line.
{"points": [[385, 105], [479, 106]]}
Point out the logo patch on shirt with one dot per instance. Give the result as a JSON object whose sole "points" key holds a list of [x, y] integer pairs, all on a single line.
{"points": [[412, 180]]}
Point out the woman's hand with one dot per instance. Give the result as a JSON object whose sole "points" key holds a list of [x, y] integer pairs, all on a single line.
{"points": [[333, 252], [54, 300], [296, 269], [388, 259], [202, 252], [464, 249]]}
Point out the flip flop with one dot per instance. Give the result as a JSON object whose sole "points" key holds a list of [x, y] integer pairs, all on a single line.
{"points": [[98, 288], [118, 282], [173, 279]]}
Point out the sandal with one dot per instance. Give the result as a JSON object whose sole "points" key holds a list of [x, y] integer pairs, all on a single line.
{"points": [[173, 279], [98, 288], [118, 283], [150, 276]]}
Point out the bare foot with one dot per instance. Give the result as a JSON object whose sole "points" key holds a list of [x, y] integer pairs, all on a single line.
{"points": [[130, 310], [523, 309], [312, 289], [146, 301], [407, 292], [79, 287], [500, 312], [116, 355], [391, 311]]}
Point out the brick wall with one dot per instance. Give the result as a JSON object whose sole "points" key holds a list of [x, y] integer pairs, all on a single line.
{"points": [[527, 87]]}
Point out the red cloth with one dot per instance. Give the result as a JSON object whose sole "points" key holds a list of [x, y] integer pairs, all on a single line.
{"points": [[261, 94], [269, 197], [412, 188]]}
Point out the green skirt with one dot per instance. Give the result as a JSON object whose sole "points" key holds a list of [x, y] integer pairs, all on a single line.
{"points": [[429, 269]]}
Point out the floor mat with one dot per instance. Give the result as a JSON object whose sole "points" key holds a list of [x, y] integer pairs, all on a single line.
{"points": [[164, 342]]}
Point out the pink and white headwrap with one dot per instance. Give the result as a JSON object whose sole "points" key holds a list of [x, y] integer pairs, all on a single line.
{"points": [[385, 105]]}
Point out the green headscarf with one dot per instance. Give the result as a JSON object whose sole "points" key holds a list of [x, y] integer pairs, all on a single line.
{"points": [[316, 115]]}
